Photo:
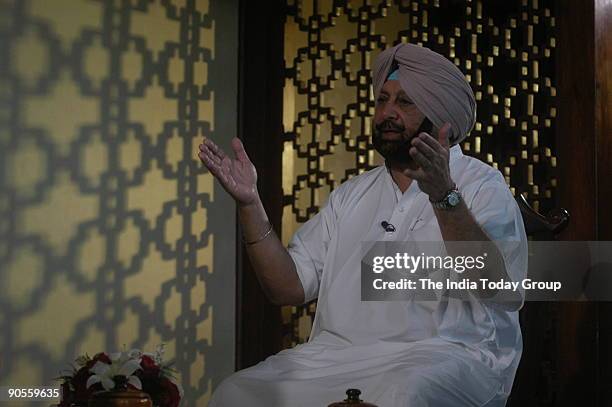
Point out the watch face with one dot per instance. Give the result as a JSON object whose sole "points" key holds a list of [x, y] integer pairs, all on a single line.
{"points": [[453, 198]]}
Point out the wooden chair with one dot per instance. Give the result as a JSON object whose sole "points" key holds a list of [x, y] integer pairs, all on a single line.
{"points": [[537, 224], [535, 383]]}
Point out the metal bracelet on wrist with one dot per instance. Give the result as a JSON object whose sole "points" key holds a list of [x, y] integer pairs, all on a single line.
{"points": [[252, 242]]}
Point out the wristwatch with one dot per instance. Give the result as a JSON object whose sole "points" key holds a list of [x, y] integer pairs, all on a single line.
{"points": [[450, 200]]}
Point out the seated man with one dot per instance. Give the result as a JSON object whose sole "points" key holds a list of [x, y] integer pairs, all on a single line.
{"points": [[446, 353]]}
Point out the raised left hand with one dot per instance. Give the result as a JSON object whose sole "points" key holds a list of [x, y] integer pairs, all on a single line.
{"points": [[432, 156]]}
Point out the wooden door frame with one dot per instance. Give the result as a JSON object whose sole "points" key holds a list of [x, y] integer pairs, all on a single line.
{"points": [[260, 95]]}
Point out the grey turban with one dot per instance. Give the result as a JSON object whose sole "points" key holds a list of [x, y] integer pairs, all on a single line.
{"points": [[435, 85]]}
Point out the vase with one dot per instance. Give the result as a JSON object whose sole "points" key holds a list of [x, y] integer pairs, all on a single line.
{"points": [[120, 396]]}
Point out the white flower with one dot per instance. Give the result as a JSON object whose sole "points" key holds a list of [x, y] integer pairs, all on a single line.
{"points": [[122, 364]]}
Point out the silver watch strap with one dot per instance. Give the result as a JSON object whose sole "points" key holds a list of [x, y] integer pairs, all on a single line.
{"points": [[444, 203]]}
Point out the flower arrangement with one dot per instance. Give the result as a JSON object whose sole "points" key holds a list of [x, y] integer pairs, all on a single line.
{"points": [[142, 371]]}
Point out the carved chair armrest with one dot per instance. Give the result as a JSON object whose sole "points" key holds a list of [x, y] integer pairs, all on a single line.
{"points": [[555, 222]]}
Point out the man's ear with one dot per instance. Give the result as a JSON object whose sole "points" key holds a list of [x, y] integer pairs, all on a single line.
{"points": [[449, 131]]}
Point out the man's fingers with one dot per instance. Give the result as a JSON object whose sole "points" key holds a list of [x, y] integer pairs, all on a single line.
{"points": [[214, 148], [444, 135], [206, 150], [212, 166], [420, 158], [218, 170], [431, 142], [238, 148], [212, 162], [423, 147]]}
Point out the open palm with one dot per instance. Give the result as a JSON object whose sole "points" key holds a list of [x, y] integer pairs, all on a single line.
{"points": [[237, 175]]}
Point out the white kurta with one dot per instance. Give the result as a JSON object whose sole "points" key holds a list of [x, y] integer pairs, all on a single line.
{"points": [[453, 353]]}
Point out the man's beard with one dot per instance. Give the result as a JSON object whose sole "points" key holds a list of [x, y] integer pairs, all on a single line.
{"points": [[395, 151]]}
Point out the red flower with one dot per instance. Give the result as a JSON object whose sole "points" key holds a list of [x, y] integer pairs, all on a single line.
{"points": [[169, 395], [149, 366], [79, 384], [102, 357]]}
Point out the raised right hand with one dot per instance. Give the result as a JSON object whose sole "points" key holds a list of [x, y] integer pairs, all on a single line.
{"points": [[237, 175]]}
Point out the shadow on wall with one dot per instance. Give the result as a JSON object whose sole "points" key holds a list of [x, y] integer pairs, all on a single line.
{"points": [[111, 231]]}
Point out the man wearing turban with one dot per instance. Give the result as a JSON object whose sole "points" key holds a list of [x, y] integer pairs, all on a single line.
{"points": [[453, 352]]}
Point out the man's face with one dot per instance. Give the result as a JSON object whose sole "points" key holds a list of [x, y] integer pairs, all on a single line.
{"points": [[396, 121]]}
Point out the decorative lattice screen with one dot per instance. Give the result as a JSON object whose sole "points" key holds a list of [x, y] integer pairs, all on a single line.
{"points": [[505, 48], [107, 217]]}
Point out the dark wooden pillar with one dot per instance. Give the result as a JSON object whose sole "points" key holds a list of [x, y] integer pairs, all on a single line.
{"points": [[603, 134], [576, 350], [584, 148], [260, 119]]}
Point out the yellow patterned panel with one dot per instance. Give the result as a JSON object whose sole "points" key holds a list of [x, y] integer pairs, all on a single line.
{"points": [[105, 232]]}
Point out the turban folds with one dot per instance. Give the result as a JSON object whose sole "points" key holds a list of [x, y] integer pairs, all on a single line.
{"points": [[435, 85]]}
